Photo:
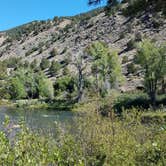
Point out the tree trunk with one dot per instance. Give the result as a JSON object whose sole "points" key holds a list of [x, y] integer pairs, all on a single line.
{"points": [[163, 86], [152, 96], [80, 86]]}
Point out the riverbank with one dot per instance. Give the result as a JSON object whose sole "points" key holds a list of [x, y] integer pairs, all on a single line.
{"points": [[60, 105], [95, 141]]}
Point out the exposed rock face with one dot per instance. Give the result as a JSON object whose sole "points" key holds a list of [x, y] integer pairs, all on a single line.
{"points": [[70, 36]]}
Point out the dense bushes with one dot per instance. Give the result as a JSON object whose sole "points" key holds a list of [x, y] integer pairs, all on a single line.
{"points": [[136, 99], [25, 84], [95, 141], [65, 84], [12, 62], [126, 101], [135, 6]]}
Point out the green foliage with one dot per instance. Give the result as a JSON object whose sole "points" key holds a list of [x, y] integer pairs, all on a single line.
{"points": [[135, 6], [131, 68], [136, 99], [54, 68], [65, 84], [45, 87], [29, 52], [53, 53], [17, 89], [95, 141], [13, 62], [3, 70], [125, 59], [124, 141], [45, 63], [20, 32], [152, 59], [106, 66], [131, 44], [130, 100], [25, 84], [33, 64]]}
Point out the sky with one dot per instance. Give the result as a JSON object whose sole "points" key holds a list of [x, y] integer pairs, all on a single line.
{"points": [[17, 12]]}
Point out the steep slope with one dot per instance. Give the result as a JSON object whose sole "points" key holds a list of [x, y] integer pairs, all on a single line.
{"points": [[71, 35]]}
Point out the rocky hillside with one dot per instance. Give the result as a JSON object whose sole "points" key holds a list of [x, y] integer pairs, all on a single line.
{"points": [[68, 36]]}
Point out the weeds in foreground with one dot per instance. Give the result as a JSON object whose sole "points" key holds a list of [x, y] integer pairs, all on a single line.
{"points": [[92, 140]]}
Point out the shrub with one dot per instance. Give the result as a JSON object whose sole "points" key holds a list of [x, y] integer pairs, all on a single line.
{"points": [[138, 36], [31, 51], [95, 141], [122, 35], [13, 62], [130, 100], [131, 44], [125, 59], [54, 68], [44, 64], [131, 68], [134, 7], [45, 87], [53, 53]]}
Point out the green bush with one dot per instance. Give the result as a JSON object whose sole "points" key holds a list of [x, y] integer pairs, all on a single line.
{"points": [[54, 68], [53, 53], [125, 59], [131, 68], [129, 100], [131, 44], [134, 7], [95, 141], [44, 64]]}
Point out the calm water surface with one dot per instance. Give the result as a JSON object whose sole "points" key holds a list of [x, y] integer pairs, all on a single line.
{"points": [[45, 121]]}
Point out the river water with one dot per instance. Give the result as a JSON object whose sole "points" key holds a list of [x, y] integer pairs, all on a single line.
{"points": [[43, 121]]}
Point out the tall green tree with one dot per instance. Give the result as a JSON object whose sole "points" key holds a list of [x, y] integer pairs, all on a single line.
{"points": [[17, 89], [152, 59], [80, 64], [106, 66], [45, 87]]}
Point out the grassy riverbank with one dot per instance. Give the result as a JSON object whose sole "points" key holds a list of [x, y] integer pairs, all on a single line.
{"points": [[105, 132], [115, 140]]}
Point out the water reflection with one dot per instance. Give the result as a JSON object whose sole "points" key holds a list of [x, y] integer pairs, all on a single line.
{"points": [[42, 121]]}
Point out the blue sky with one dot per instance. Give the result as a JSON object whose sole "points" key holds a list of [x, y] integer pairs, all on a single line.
{"points": [[17, 12]]}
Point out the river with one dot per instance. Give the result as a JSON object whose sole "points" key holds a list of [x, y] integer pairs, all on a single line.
{"points": [[43, 120]]}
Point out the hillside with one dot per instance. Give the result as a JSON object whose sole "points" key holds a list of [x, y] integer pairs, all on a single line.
{"points": [[71, 35]]}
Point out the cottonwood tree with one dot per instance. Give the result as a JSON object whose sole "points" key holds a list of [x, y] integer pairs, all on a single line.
{"points": [[45, 87], [17, 89], [80, 63], [25, 84], [106, 66], [152, 59]]}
